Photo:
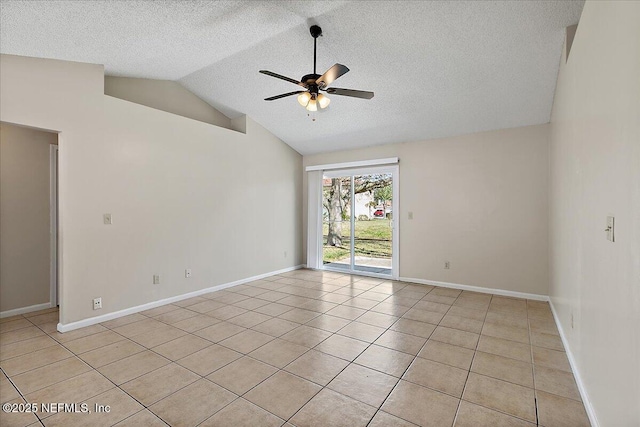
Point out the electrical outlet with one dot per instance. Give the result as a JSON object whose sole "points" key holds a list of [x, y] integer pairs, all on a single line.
{"points": [[97, 303], [447, 265], [107, 219], [187, 273], [410, 215], [156, 279]]}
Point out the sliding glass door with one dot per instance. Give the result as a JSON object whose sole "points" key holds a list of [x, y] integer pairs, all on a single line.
{"points": [[358, 229], [336, 222]]}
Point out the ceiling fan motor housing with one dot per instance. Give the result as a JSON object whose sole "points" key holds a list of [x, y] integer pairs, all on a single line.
{"points": [[310, 81], [315, 31]]}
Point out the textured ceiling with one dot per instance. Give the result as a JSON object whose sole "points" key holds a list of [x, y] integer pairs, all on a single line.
{"points": [[437, 68]]}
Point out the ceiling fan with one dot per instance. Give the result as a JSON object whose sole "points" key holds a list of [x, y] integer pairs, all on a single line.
{"points": [[311, 98]]}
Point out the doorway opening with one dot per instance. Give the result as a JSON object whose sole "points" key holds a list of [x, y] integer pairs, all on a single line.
{"points": [[29, 223], [359, 233]]}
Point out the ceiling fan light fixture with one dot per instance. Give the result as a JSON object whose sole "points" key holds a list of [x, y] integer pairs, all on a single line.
{"points": [[323, 101], [313, 105], [304, 98]]}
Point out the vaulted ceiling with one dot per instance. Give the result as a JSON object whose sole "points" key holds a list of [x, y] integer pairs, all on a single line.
{"points": [[437, 68]]}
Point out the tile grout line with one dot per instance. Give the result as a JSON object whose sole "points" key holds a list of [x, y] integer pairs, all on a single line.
{"points": [[350, 363], [215, 343], [315, 298], [322, 387], [20, 393], [106, 378], [342, 370], [533, 370], [475, 351], [62, 344], [202, 377], [111, 381], [415, 357], [146, 407], [464, 386]]}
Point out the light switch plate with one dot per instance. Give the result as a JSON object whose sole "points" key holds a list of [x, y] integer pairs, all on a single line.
{"points": [[610, 229], [107, 219]]}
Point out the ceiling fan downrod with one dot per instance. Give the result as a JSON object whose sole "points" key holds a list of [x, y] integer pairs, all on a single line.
{"points": [[316, 32]]}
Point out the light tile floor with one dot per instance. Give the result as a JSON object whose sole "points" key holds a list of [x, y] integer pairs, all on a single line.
{"points": [[303, 348]]}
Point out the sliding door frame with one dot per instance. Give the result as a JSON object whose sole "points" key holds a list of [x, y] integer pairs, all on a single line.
{"points": [[394, 170]]}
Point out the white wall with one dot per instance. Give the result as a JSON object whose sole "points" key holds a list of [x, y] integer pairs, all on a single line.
{"points": [[478, 201], [182, 193], [165, 95], [24, 216], [595, 172]]}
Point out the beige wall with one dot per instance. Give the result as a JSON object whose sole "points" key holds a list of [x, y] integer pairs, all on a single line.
{"points": [[478, 201], [595, 173], [24, 216], [182, 193], [165, 95]]}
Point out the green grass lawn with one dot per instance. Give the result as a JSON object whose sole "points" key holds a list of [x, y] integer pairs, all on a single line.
{"points": [[372, 239]]}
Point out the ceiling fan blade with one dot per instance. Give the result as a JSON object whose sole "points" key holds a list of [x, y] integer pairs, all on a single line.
{"points": [[331, 75], [284, 95], [350, 92], [281, 77]]}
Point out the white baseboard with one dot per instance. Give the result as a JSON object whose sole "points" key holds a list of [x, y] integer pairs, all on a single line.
{"points": [[131, 310], [591, 413], [25, 310], [480, 289]]}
